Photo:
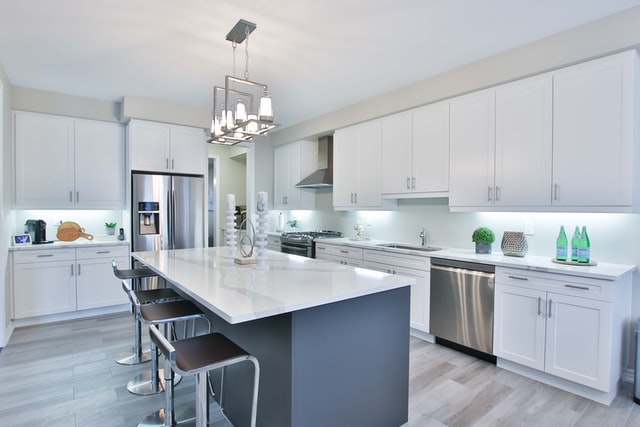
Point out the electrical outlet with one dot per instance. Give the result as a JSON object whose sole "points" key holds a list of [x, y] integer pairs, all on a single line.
{"points": [[528, 228]]}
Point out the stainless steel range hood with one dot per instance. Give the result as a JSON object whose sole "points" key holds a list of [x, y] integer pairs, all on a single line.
{"points": [[323, 177]]}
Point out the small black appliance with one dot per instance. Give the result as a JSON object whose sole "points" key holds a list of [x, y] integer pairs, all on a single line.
{"points": [[37, 228]]}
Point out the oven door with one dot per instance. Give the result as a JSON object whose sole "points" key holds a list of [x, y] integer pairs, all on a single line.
{"points": [[295, 250]]}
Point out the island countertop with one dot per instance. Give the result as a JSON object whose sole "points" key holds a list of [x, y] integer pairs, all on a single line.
{"points": [[241, 293]]}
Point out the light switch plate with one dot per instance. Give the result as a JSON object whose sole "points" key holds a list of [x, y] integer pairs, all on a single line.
{"points": [[528, 228]]}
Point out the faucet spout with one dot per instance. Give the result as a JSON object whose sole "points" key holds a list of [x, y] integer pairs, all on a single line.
{"points": [[423, 237]]}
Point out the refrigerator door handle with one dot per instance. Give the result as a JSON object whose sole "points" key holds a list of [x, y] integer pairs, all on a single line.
{"points": [[173, 219]]}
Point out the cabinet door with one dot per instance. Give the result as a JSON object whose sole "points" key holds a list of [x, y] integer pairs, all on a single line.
{"points": [[344, 167], [44, 288], [524, 142], [188, 150], [44, 161], [519, 325], [579, 340], [96, 284], [430, 154], [396, 142], [593, 131], [149, 146], [367, 161], [281, 176], [292, 163], [420, 293], [99, 165], [472, 134]]}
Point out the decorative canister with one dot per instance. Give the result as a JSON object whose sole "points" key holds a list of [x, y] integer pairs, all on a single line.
{"points": [[514, 243]]}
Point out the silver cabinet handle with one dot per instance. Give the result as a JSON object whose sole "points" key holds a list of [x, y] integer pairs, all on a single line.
{"points": [[408, 183], [351, 197], [582, 288], [79, 265], [498, 191], [556, 191], [45, 255], [71, 196], [518, 277], [167, 163], [72, 269], [539, 306], [489, 194], [77, 196], [173, 163], [550, 305], [103, 252], [413, 182], [342, 251], [356, 197]]}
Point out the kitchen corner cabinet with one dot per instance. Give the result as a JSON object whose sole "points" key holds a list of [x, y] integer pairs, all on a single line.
{"points": [[66, 163], [501, 146], [292, 163], [356, 168], [565, 326], [595, 134], [51, 281], [160, 147], [415, 152], [417, 267]]}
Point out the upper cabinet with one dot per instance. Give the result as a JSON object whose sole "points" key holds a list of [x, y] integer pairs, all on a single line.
{"points": [[415, 152], [594, 133], [292, 163], [160, 147], [64, 163], [501, 142], [356, 168]]}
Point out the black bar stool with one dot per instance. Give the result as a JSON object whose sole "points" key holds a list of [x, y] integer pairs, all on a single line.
{"points": [[198, 355], [152, 296]]}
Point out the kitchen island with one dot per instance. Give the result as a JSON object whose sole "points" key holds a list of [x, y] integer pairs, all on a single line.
{"points": [[332, 340]]}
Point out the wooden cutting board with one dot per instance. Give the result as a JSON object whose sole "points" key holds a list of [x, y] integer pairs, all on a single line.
{"points": [[69, 231]]}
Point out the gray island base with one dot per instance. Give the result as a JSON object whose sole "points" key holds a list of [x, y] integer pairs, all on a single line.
{"points": [[332, 340]]}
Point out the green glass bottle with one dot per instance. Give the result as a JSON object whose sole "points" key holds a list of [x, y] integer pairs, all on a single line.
{"points": [[562, 245], [575, 242], [584, 250]]}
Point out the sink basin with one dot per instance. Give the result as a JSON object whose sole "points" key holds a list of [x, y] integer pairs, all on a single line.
{"points": [[410, 247]]}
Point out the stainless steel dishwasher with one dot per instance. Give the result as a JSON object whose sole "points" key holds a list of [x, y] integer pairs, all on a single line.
{"points": [[461, 305]]}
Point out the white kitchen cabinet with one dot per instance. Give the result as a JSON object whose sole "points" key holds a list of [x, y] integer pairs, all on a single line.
{"points": [[64, 163], [595, 132], [96, 285], [501, 144], [565, 326], [161, 147], [415, 152], [341, 254], [356, 168], [292, 163], [417, 267], [54, 280]]}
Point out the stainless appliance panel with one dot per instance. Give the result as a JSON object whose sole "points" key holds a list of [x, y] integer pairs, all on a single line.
{"points": [[461, 305], [179, 220]]}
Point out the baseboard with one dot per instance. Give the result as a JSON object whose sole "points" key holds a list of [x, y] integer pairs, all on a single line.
{"points": [[422, 335], [7, 333], [50, 318]]}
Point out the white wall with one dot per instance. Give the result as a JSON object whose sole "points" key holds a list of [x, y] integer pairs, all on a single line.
{"points": [[6, 172]]}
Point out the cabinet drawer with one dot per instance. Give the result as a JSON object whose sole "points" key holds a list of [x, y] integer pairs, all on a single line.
{"points": [[584, 287], [48, 255], [102, 252], [338, 250], [400, 260]]}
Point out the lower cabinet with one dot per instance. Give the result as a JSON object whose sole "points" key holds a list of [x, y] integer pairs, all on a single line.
{"points": [[417, 267], [51, 281], [341, 254], [566, 326]]}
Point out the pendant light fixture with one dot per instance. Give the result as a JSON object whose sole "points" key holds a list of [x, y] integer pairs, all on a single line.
{"points": [[242, 108]]}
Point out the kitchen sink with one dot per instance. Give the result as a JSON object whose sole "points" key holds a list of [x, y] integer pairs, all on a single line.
{"points": [[410, 247]]}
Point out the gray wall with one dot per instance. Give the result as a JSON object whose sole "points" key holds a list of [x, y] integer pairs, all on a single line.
{"points": [[6, 197]]}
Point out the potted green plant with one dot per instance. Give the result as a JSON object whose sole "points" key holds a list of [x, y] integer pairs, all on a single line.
{"points": [[483, 238], [111, 227]]}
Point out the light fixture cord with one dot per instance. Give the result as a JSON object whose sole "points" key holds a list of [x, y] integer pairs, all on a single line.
{"points": [[246, 52]]}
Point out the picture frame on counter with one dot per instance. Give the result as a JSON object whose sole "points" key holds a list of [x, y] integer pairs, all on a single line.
{"points": [[21, 239]]}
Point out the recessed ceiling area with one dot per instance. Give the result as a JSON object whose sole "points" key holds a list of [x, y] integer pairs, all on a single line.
{"points": [[316, 56]]}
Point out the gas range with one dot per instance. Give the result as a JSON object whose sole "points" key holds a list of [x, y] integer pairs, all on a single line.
{"points": [[302, 242]]}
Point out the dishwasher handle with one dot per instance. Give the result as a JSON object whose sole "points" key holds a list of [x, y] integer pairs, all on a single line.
{"points": [[463, 271]]}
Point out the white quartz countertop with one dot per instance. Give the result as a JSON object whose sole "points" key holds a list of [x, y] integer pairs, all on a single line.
{"points": [[80, 242], [240, 293], [602, 270]]}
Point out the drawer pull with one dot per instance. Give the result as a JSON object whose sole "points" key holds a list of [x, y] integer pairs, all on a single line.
{"points": [[103, 252], [342, 251], [550, 305], [320, 248], [518, 278], [582, 288], [45, 256], [539, 306]]}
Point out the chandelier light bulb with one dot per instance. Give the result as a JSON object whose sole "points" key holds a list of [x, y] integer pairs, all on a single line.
{"points": [[252, 126], [265, 111], [241, 112]]}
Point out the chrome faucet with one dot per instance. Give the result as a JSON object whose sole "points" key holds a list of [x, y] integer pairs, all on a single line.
{"points": [[423, 237]]}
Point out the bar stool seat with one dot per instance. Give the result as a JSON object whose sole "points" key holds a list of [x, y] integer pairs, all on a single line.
{"points": [[198, 355], [152, 296]]}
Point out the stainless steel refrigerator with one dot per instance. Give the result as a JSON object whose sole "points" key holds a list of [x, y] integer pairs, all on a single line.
{"points": [[167, 212]]}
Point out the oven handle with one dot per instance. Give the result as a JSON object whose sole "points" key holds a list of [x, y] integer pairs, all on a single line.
{"points": [[294, 248]]}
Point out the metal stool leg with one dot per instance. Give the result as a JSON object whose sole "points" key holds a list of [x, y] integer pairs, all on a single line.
{"points": [[138, 355]]}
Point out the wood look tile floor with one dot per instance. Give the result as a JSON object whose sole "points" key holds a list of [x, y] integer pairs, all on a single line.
{"points": [[64, 374]]}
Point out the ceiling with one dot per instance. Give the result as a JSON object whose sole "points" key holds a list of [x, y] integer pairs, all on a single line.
{"points": [[316, 56]]}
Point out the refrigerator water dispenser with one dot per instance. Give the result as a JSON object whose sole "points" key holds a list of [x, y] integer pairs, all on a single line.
{"points": [[149, 218]]}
